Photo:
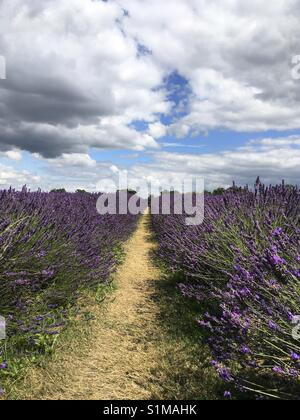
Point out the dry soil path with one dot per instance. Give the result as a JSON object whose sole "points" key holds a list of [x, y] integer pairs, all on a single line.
{"points": [[123, 350]]}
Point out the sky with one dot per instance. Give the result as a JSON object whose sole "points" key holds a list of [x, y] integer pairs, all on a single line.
{"points": [[158, 90]]}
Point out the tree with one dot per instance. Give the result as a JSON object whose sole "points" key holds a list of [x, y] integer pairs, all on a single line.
{"points": [[58, 190], [79, 191], [219, 191]]}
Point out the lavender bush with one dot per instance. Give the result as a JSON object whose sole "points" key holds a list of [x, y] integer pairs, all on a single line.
{"points": [[243, 265], [52, 247]]}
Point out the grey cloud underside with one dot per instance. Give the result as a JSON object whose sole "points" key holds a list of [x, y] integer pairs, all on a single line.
{"points": [[48, 145], [74, 79], [51, 142], [46, 100]]}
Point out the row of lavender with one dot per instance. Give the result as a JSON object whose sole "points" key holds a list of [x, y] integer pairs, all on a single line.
{"points": [[52, 246], [243, 265]]}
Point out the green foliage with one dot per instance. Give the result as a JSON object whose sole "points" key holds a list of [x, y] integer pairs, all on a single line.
{"points": [[58, 190], [79, 191], [219, 191]]}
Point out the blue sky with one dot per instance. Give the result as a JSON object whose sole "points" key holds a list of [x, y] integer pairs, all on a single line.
{"points": [[164, 91]]}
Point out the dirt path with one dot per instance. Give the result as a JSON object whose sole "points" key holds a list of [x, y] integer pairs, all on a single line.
{"points": [[123, 350]]}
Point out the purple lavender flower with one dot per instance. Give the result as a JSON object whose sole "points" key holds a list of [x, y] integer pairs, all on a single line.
{"points": [[277, 232], [273, 326], [227, 395], [278, 369], [3, 365], [245, 350], [295, 356], [276, 259]]}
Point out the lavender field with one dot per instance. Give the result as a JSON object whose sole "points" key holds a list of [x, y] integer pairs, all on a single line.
{"points": [[240, 269], [242, 266], [53, 247]]}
